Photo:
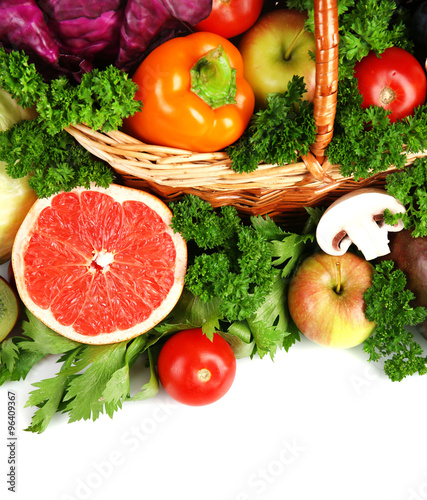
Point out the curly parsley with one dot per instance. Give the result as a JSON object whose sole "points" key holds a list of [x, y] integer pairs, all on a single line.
{"points": [[365, 142], [40, 148], [238, 275], [388, 304], [410, 188], [277, 134], [231, 261], [363, 26], [52, 162]]}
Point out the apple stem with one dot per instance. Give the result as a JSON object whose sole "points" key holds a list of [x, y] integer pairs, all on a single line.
{"points": [[287, 55], [338, 287]]}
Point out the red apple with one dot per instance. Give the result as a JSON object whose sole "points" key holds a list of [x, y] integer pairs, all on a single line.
{"points": [[325, 299], [276, 48]]}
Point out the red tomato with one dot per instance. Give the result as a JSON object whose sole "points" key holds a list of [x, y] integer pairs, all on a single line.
{"points": [[394, 81], [230, 18], [194, 370]]}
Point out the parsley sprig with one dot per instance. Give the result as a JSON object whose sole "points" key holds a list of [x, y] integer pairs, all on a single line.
{"points": [[40, 148], [363, 26], [388, 303], [101, 100], [365, 142], [51, 162], [410, 187], [277, 134], [232, 261]]}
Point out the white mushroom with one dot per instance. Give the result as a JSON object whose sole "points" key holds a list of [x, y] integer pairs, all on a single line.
{"points": [[357, 217]]}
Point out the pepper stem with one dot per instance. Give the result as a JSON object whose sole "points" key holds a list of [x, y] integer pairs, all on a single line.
{"points": [[213, 79]]}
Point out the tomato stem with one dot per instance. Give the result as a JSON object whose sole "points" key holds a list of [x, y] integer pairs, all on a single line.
{"points": [[213, 79], [204, 375], [387, 95]]}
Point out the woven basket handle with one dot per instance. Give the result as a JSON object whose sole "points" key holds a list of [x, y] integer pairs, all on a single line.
{"points": [[325, 95]]}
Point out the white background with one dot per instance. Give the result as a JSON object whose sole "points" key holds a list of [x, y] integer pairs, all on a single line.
{"points": [[316, 423]]}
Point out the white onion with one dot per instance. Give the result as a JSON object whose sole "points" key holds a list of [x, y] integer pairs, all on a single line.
{"points": [[11, 112], [16, 197]]}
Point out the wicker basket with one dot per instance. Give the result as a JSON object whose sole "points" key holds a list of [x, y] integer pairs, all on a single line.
{"points": [[282, 192]]}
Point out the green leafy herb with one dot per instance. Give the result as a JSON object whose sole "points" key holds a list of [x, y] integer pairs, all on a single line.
{"points": [[410, 188], [101, 100], [237, 276], [277, 134], [388, 304], [20, 78], [48, 396], [365, 142], [52, 162], [41, 148], [237, 268], [363, 26], [366, 26], [270, 325], [91, 380]]}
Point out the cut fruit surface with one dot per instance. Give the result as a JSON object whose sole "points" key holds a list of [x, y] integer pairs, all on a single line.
{"points": [[9, 309], [101, 265]]}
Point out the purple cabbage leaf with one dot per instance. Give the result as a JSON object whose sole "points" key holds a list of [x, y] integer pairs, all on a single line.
{"points": [[148, 23], [70, 37]]}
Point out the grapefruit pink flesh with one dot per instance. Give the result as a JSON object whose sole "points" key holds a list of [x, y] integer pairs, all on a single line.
{"points": [[100, 266]]}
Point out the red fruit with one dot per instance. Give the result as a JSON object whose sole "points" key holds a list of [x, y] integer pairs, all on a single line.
{"points": [[101, 265], [194, 370]]}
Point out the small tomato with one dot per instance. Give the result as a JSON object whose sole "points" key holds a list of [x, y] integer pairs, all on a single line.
{"points": [[230, 18], [194, 94], [194, 370], [394, 80]]}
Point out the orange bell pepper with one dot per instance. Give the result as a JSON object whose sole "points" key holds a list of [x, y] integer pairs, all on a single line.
{"points": [[194, 94]]}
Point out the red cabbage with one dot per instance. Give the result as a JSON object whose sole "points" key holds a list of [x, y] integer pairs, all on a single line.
{"points": [[72, 36], [149, 22], [73, 9], [22, 26], [95, 38]]}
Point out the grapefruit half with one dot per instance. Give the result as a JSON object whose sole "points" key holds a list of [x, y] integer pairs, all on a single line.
{"points": [[99, 265]]}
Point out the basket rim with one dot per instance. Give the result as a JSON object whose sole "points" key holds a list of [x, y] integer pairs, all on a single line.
{"points": [[209, 171]]}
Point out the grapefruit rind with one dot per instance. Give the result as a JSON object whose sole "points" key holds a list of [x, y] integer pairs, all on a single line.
{"points": [[119, 194]]}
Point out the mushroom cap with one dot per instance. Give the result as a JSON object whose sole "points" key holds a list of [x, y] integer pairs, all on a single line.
{"points": [[357, 217]]}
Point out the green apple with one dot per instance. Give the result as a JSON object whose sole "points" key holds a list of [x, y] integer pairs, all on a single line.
{"points": [[276, 48], [325, 299]]}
